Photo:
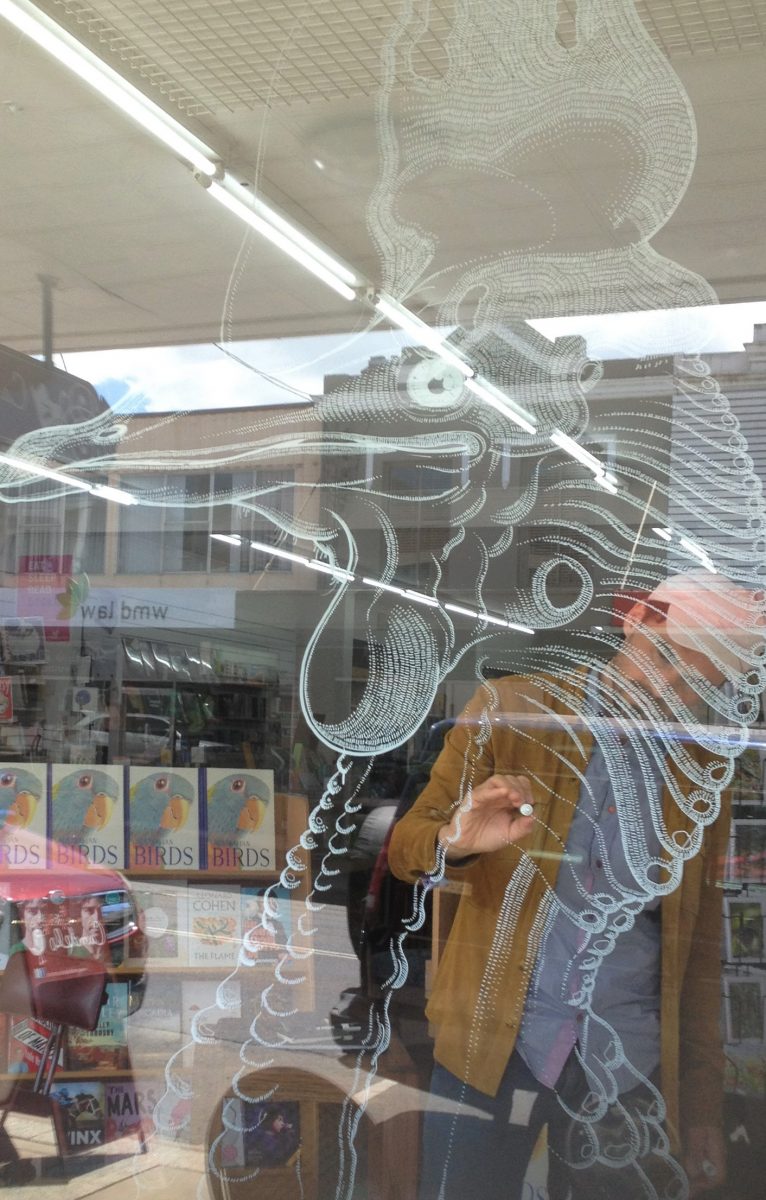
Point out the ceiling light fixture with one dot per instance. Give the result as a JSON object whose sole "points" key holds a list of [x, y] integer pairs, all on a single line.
{"points": [[270, 214], [426, 335], [503, 404], [421, 598], [581, 455], [71, 53], [101, 490], [698, 552], [386, 587], [231, 539], [32, 468], [575, 450], [260, 216], [104, 492], [275, 552], [244, 209], [326, 569], [487, 619]]}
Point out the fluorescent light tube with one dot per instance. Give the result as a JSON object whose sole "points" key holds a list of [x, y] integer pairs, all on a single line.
{"points": [[326, 569], [665, 534], [492, 620], [420, 598], [699, 553], [464, 612], [297, 252], [291, 231], [104, 492], [502, 403], [230, 538], [483, 616], [387, 587], [605, 481], [400, 316], [101, 491], [33, 468], [56, 41], [277, 553], [575, 450]]}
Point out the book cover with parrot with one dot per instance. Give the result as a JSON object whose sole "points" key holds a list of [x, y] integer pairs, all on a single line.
{"points": [[240, 820], [164, 819], [87, 815], [23, 814]]}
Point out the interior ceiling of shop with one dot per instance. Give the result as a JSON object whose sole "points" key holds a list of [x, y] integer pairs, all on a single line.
{"points": [[140, 255]]}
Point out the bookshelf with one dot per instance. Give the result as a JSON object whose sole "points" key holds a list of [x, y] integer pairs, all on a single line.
{"points": [[744, 968], [201, 919]]}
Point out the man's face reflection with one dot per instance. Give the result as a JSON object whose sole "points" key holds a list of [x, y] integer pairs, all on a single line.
{"points": [[33, 919], [661, 667]]}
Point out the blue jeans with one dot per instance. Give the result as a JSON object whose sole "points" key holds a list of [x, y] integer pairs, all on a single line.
{"points": [[478, 1147]]}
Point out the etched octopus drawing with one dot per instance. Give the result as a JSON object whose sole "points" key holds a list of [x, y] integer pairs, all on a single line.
{"points": [[510, 98]]}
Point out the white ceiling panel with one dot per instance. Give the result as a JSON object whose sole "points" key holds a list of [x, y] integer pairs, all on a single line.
{"points": [[143, 255]]}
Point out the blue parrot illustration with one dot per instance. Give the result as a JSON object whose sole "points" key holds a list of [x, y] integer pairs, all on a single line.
{"points": [[160, 804], [20, 794], [236, 807], [83, 803]]}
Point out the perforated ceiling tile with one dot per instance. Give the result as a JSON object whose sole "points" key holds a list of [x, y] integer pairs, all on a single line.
{"points": [[212, 55]]}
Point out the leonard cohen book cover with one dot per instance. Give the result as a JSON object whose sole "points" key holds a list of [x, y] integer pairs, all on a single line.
{"points": [[163, 819], [213, 925], [240, 820], [87, 815]]}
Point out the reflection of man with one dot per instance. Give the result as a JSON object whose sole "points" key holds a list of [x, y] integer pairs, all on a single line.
{"points": [[91, 929], [582, 969], [34, 915]]}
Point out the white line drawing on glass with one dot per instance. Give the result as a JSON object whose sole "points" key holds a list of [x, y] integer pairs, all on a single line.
{"points": [[499, 104]]}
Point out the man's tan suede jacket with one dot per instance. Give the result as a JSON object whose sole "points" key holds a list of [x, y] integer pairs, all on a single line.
{"points": [[479, 993]]}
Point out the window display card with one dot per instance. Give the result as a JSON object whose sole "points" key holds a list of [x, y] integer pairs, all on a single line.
{"points": [[214, 926], [240, 820], [105, 1047], [82, 1106], [164, 819], [743, 1005], [747, 852], [163, 919], [23, 813], [744, 930], [87, 815], [266, 923]]}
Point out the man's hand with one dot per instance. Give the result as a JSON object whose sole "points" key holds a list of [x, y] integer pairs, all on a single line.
{"points": [[490, 818], [704, 1159]]}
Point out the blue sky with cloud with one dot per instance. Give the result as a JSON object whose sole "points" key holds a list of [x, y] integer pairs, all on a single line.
{"points": [[289, 370]]}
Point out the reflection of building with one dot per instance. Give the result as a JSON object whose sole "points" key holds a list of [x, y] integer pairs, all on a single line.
{"points": [[181, 646]]}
